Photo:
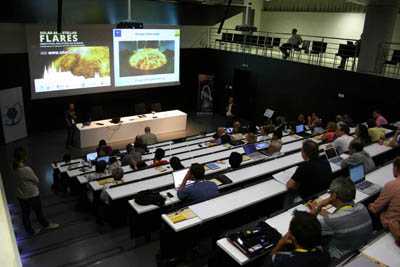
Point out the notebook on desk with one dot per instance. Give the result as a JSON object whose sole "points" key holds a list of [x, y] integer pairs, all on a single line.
{"points": [[357, 175]]}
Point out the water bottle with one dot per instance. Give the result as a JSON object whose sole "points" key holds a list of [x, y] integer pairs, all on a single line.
{"points": [[382, 139]]}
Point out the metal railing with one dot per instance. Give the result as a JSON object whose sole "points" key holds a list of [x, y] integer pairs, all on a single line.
{"points": [[390, 60], [319, 50]]}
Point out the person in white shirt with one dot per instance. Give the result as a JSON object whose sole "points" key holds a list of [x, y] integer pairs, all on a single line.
{"points": [[293, 42], [230, 112], [117, 174], [341, 143], [275, 149]]}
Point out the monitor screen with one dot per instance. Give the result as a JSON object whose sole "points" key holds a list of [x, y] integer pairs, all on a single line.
{"points": [[91, 156], [178, 177], [229, 130], [248, 149], [331, 153], [106, 159], [300, 128], [357, 173]]}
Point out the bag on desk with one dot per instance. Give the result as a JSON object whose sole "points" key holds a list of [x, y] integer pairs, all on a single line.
{"points": [[148, 197]]}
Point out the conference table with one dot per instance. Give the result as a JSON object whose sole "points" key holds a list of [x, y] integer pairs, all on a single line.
{"points": [[129, 127]]}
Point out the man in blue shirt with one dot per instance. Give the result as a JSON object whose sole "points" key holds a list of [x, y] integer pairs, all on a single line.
{"points": [[201, 189], [70, 118]]}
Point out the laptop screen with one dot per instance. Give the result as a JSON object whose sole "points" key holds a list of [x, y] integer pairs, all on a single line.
{"points": [[106, 159], [357, 173], [331, 153], [262, 145], [178, 177], [248, 149], [91, 156], [229, 130], [300, 128]]}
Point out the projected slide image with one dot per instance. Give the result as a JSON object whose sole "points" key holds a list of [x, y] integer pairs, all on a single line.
{"points": [[73, 67], [138, 58]]}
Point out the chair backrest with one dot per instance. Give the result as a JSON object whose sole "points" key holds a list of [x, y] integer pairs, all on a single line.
{"points": [[276, 42], [254, 39], [347, 50], [224, 36], [319, 47], [261, 40], [247, 39], [396, 56], [156, 107], [140, 108], [306, 45], [268, 41], [229, 37]]}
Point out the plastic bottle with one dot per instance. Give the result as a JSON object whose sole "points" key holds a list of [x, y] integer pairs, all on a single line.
{"points": [[382, 139]]}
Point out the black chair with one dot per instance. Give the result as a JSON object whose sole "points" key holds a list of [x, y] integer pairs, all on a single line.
{"points": [[346, 50], [238, 39], [395, 60], [271, 43], [317, 51], [297, 50], [156, 107], [97, 113], [140, 109], [226, 38]]}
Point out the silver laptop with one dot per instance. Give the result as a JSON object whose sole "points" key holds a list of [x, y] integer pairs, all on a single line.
{"points": [[251, 152], [332, 156], [357, 175], [178, 177]]}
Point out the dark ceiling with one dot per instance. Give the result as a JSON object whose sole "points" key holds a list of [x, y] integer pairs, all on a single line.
{"points": [[181, 12]]}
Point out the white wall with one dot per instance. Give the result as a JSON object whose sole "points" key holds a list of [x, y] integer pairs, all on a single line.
{"points": [[340, 25]]}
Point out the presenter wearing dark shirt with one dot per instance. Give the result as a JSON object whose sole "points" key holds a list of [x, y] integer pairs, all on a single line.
{"points": [[311, 177], [70, 118], [201, 189]]}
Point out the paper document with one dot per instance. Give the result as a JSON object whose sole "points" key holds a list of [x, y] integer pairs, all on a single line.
{"points": [[284, 176], [203, 210]]}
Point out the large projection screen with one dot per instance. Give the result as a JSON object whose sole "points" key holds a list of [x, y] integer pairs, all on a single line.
{"points": [[80, 60]]}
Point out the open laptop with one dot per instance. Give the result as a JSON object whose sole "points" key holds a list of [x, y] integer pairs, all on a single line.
{"points": [[251, 152], [300, 130], [229, 130], [332, 156], [106, 159], [357, 175], [262, 145], [91, 157], [178, 177]]}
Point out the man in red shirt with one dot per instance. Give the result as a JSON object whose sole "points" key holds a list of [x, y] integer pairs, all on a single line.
{"points": [[160, 153]]}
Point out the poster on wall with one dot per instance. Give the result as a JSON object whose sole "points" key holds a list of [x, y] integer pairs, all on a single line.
{"points": [[12, 114], [205, 102]]}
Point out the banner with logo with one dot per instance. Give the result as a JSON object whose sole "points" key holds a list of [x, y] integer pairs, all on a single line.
{"points": [[205, 95], [12, 114]]}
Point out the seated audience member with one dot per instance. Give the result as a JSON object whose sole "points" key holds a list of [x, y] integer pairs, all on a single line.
{"points": [[361, 133], [379, 119], [394, 228], [264, 132], [318, 128], [305, 236], [131, 156], [236, 135], [201, 189], [203, 132], [358, 156], [252, 128], [160, 153], [342, 141], [293, 42], [348, 121], [100, 171], [236, 124], [388, 202], [374, 132], [349, 226], [281, 124], [117, 174], [292, 127], [274, 149], [329, 135], [312, 176], [340, 120], [221, 137], [235, 159], [277, 135], [395, 142], [139, 146], [104, 147], [148, 138], [251, 138], [301, 120], [113, 163], [101, 154], [312, 120], [176, 164]]}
